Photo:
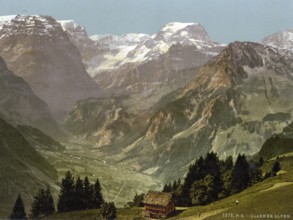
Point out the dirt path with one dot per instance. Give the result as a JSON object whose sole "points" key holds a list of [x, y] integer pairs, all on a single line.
{"points": [[277, 185]]}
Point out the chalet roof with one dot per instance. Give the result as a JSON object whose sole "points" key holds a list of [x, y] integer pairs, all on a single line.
{"points": [[158, 198]]}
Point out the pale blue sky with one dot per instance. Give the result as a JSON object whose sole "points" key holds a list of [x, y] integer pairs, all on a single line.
{"points": [[225, 20]]}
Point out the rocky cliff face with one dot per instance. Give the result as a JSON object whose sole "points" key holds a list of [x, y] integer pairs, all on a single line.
{"points": [[19, 104], [37, 49], [233, 104]]}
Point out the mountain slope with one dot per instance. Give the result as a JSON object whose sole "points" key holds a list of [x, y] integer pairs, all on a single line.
{"points": [[22, 169], [37, 49], [219, 110], [278, 144], [19, 104]]}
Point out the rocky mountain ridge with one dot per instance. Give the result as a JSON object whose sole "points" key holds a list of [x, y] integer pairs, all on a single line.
{"points": [[135, 63], [37, 49]]}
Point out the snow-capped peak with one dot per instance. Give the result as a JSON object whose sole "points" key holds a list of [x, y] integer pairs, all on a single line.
{"points": [[28, 24], [7, 18], [176, 31], [281, 40], [69, 24], [176, 26]]}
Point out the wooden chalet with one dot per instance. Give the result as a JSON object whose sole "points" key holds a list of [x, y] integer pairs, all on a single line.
{"points": [[158, 204]]}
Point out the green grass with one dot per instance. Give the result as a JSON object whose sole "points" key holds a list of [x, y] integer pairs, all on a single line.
{"points": [[253, 200], [93, 214]]}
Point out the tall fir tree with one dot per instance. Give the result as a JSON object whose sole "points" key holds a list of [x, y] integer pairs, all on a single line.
{"points": [[43, 204], [98, 196], [240, 179], [36, 205], [50, 205], [88, 194], [196, 172], [18, 212], [213, 167], [79, 203], [66, 195]]}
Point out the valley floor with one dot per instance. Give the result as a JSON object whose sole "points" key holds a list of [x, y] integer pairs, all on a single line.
{"points": [[119, 183]]}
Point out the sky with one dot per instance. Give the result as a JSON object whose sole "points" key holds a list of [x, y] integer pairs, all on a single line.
{"points": [[225, 20]]}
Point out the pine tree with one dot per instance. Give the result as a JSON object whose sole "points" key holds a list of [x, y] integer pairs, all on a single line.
{"points": [[79, 203], [88, 194], [108, 211], [228, 163], [18, 212], [43, 204], [213, 167], [240, 174], [276, 167], [167, 188], [66, 195], [196, 172], [36, 206], [98, 196], [50, 206]]}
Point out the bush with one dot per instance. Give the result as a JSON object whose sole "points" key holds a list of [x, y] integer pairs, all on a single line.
{"points": [[108, 211]]}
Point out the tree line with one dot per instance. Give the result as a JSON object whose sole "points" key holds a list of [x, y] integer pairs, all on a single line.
{"points": [[210, 179], [73, 196]]}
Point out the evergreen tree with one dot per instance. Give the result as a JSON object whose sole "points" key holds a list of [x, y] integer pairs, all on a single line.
{"points": [[276, 167], [18, 212], [108, 211], [66, 195], [228, 164], [240, 174], [43, 204], [98, 197], [36, 206], [227, 178], [167, 188], [79, 203], [88, 194], [213, 168], [255, 173], [196, 172], [260, 162], [50, 206]]}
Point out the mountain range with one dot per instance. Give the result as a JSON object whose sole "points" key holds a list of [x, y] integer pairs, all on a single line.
{"points": [[141, 64], [151, 104], [217, 110]]}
